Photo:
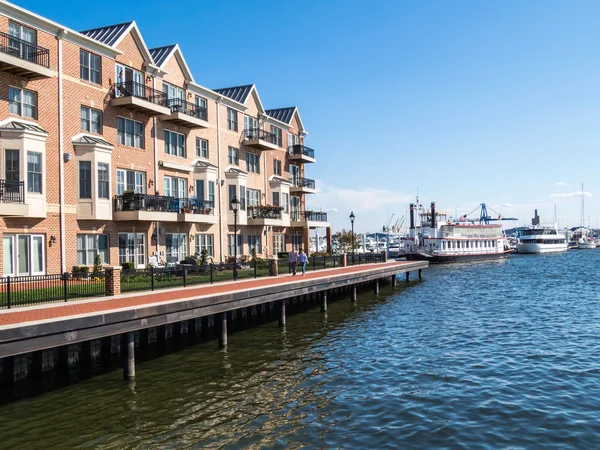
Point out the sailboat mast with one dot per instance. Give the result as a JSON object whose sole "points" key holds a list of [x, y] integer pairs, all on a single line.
{"points": [[582, 208]]}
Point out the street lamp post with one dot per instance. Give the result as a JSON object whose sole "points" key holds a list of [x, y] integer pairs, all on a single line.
{"points": [[235, 206], [352, 216]]}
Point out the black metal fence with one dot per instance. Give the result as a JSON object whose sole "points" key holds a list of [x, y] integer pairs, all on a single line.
{"points": [[303, 182], [259, 133], [364, 258], [299, 149], [139, 90], [188, 108], [12, 191], [24, 50], [32, 290]]}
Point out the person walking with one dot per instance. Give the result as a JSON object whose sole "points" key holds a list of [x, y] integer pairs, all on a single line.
{"points": [[293, 260], [302, 259]]}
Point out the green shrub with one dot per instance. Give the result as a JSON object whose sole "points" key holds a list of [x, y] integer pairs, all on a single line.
{"points": [[97, 264], [283, 255], [128, 265], [252, 253], [75, 269], [204, 257], [84, 271]]}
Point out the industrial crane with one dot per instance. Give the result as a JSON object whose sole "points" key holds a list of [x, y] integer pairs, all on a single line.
{"points": [[484, 217]]}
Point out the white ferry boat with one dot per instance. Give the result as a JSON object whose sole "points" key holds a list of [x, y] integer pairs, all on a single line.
{"points": [[541, 240], [439, 240]]}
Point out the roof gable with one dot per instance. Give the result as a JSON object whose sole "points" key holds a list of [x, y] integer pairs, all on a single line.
{"points": [[282, 114], [237, 93], [161, 56]]}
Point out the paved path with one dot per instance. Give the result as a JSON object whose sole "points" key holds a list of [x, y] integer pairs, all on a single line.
{"points": [[106, 304]]}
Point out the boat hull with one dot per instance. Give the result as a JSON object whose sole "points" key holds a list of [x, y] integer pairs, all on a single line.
{"points": [[534, 249], [586, 245], [455, 258]]}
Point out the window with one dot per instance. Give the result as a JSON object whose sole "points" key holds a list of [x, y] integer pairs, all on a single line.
{"points": [[129, 81], [276, 167], [201, 148], [253, 197], [85, 179], [131, 180], [132, 248], [22, 102], [211, 192], [90, 67], [201, 109], [254, 243], [232, 194], [278, 243], [205, 242], [174, 93], [276, 199], [292, 139], [90, 245], [242, 197], [34, 172], [252, 163], [276, 131], [230, 244], [250, 125], [296, 242], [23, 254], [91, 120], [174, 143], [285, 202], [200, 190], [21, 49], [232, 119], [233, 154], [130, 133], [176, 247], [103, 177], [175, 187]]}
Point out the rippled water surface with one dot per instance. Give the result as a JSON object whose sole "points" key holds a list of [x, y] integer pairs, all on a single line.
{"points": [[483, 355]]}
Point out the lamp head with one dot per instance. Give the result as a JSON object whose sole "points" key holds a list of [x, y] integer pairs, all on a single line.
{"points": [[235, 204], [352, 216]]}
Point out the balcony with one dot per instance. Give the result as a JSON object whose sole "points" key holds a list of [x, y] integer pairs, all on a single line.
{"points": [[12, 198], [301, 153], [186, 114], [145, 207], [24, 59], [140, 98], [302, 185], [261, 139], [267, 215], [311, 219]]}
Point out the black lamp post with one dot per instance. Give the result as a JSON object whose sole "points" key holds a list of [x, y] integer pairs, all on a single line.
{"points": [[352, 216], [235, 206]]}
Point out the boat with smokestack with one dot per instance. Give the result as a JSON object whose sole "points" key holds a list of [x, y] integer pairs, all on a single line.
{"points": [[438, 239]]}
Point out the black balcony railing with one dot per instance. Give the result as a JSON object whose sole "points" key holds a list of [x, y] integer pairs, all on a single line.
{"points": [[24, 50], [139, 90], [308, 216], [299, 149], [263, 135], [302, 182], [190, 109], [159, 203], [12, 191], [264, 212]]}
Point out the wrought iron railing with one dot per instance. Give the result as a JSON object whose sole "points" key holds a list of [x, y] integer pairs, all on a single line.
{"points": [[264, 212], [299, 149], [197, 206], [12, 191], [302, 182], [188, 108], [259, 133], [139, 90], [24, 50], [308, 216]]}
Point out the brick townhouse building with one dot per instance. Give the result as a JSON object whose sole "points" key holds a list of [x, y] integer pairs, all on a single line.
{"points": [[113, 149]]}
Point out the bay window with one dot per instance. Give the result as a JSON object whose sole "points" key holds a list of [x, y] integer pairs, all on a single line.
{"points": [[90, 245]]}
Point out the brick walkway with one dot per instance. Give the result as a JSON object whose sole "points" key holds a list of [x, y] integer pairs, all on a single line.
{"points": [[107, 304]]}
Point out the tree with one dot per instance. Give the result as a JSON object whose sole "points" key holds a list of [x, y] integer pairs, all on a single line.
{"points": [[344, 239], [97, 264]]}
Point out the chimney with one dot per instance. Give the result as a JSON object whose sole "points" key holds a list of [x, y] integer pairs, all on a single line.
{"points": [[412, 216], [433, 224]]}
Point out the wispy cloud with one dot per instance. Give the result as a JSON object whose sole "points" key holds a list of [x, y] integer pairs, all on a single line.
{"points": [[560, 183], [572, 194]]}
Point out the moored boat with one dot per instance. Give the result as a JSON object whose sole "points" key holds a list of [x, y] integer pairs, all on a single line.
{"points": [[541, 240]]}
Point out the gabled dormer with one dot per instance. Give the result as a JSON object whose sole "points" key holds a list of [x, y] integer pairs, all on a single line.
{"points": [[290, 118]]}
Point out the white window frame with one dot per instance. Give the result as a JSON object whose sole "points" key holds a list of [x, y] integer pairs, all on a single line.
{"points": [[89, 252], [139, 181], [205, 241], [17, 104], [233, 156], [180, 251], [232, 119], [202, 148], [85, 67], [13, 248], [254, 240], [130, 138], [252, 162], [36, 174], [177, 148], [88, 123]]}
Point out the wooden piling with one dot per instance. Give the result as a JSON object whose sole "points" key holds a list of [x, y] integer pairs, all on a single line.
{"points": [[420, 274], [376, 287], [324, 302], [394, 280], [353, 293], [407, 277], [282, 313], [223, 330], [128, 356]]}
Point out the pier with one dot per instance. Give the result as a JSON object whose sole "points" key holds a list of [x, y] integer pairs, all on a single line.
{"points": [[63, 335]]}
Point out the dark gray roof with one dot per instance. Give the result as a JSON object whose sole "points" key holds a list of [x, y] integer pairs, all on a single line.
{"points": [[204, 164], [236, 171], [15, 125], [282, 114], [238, 93], [277, 179], [107, 35], [159, 55], [86, 139]]}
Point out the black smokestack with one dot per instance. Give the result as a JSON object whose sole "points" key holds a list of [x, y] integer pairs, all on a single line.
{"points": [[412, 216], [433, 215]]}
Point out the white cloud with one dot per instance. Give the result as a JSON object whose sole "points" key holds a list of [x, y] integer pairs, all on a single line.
{"points": [[560, 183], [572, 194]]}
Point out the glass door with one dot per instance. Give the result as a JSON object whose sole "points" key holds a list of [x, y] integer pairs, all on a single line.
{"points": [[8, 257], [23, 255], [295, 208], [126, 247], [294, 174], [141, 250]]}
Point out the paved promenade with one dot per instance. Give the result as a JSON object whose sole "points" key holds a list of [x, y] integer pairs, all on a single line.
{"points": [[55, 311]]}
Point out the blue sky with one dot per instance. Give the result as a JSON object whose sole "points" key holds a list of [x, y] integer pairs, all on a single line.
{"points": [[464, 101]]}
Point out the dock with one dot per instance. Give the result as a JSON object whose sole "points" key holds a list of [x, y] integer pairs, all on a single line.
{"points": [[37, 338]]}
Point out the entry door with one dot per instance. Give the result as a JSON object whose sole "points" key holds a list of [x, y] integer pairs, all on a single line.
{"points": [[294, 174], [295, 208], [12, 175], [140, 240], [126, 247], [30, 254]]}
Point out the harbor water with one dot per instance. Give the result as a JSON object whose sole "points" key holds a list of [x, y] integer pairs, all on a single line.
{"points": [[497, 354]]}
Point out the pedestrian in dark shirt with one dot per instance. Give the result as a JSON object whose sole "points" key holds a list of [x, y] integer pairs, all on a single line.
{"points": [[293, 260]]}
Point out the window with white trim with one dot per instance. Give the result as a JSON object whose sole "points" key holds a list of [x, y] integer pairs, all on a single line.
{"points": [[176, 244], [252, 163], [278, 133], [90, 245], [277, 167], [175, 187], [90, 67], [233, 156], [231, 243], [254, 242], [130, 132], [201, 148], [278, 243], [91, 120], [205, 242], [131, 180], [232, 123], [253, 197], [22, 102], [85, 179], [103, 180], [174, 143], [34, 172]]}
